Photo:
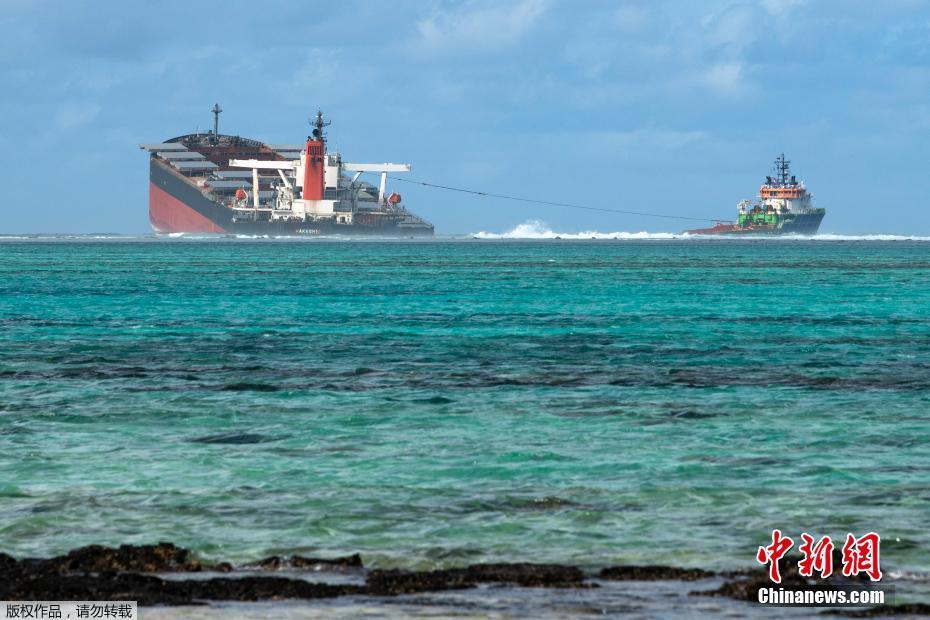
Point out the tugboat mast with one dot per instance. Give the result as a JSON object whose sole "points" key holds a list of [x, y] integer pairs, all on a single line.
{"points": [[782, 170]]}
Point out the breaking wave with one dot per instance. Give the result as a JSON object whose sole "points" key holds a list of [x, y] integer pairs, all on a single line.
{"points": [[71, 236], [531, 229], [536, 229]]}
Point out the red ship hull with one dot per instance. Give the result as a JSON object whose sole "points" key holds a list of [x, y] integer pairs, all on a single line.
{"points": [[167, 214], [716, 229], [732, 229]]}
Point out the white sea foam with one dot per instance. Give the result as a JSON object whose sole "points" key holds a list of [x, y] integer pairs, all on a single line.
{"points": [[70, 237], [831, 237], [531, 229], [536, 229]]}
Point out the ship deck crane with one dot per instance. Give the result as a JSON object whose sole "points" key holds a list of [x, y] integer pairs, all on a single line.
{"points": [[261, 164], [293, 165], [383, 169]]}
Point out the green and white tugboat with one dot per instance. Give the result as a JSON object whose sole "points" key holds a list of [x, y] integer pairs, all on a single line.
{"points": [[783, 207]]}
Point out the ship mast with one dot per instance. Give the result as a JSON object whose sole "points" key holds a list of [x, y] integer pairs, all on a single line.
{"points": [[216, 122], [781, 168], [318, 124]]}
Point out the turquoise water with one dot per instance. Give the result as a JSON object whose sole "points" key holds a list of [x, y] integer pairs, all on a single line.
{"points": [[438, 403]]}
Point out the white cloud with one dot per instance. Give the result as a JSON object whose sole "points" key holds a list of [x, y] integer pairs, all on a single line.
{"points": [[650, 139], [629, 18], [480, 26], [780, 7], [733, 29], [316, 74], [447, 91], [73, 114], [726, 78], [319, 67]]}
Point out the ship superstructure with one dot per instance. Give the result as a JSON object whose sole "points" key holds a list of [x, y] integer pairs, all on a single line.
{"points": [[215, 183], [783, 206]]}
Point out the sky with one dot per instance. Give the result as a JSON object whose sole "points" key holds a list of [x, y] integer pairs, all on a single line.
{"points": [[666, 106]]}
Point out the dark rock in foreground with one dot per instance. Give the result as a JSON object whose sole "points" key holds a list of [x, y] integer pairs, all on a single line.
{"points": [[276, 562], [150, 590], [124, 573], [161, 558], [653, 573], [105, 573], [524, 575], [745, 585]]}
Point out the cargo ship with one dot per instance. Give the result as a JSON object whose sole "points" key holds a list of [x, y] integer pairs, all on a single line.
{"points": [[783, 207], [210, 182]]}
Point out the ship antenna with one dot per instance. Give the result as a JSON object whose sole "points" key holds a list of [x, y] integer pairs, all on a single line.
{"points": [[216, 122], [318, 124], [782, 168]]}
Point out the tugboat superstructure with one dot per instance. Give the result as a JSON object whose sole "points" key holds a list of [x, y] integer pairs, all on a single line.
{"points": [[783, 206]]}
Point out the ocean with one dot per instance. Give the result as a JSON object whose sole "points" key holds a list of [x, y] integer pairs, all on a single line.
{"points": [[438, 403]]}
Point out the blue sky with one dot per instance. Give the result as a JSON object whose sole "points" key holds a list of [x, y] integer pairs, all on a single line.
{"points": [[669, 106]]}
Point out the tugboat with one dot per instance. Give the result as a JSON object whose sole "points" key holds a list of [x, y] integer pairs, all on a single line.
{"points": [[783, 207]]}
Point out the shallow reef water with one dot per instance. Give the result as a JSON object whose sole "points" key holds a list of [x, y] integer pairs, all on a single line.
{"points": [[438, 404]]}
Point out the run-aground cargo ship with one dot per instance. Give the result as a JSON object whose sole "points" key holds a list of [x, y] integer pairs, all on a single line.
{"points": [[783, 207], [215, 183]]}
